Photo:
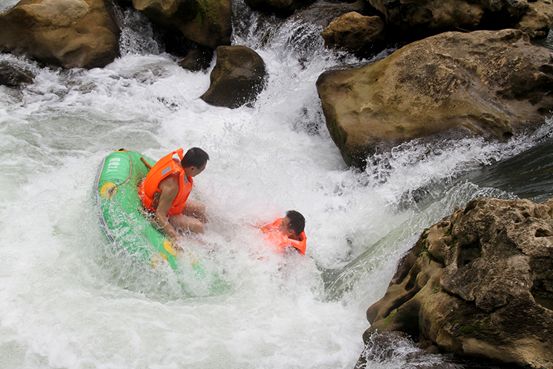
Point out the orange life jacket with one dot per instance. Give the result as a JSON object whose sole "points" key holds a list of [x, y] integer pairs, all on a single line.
{"points": [[149, 191], [282, 241]]}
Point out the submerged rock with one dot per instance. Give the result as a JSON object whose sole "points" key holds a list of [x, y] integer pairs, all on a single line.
{"points": [[486, 82], [205, 22], [354, 32], [479, 283], [67, 33], [12, 75], [237, 78]]}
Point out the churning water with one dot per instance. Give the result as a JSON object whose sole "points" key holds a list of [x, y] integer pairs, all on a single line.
{"points": [[66, 301]]}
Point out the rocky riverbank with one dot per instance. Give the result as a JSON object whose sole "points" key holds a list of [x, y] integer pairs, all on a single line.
{"points": [[479, 284]]}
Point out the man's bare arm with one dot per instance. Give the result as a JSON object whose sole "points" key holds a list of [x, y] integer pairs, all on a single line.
{"points": [[169, 189]]}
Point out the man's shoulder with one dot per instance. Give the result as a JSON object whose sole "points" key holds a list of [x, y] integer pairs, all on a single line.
{"points": [[169, 183]]}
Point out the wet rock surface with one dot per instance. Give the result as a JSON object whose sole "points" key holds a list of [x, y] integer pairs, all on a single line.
{"points": [[354, 32], [197, 59], [12, 75], [478, 284], [237, 78], [204, 22]]}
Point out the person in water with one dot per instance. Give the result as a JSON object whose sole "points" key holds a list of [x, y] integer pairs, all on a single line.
{"points": [[166, 188], [287, 233]]}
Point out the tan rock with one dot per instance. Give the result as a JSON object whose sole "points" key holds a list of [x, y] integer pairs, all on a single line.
{"points": [[353, 32], [491, 293], [69, 33], [538, 20], [486, 83]]}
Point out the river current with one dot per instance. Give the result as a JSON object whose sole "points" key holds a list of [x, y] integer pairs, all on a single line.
{"points": [[67, 301]]}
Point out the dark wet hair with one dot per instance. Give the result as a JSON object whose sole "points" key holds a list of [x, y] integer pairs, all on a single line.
{"points": [[297, 221], [195, 157]]}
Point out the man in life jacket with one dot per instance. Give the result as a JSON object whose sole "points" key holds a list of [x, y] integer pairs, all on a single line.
{"points": [[166, 188], [288, 233]]}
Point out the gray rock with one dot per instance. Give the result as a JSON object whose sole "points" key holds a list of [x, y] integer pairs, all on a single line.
{"points": [[12, 75]]}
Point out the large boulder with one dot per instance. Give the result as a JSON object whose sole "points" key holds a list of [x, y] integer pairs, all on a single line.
{"points": [[67, 33], [237, 78], [354, 32], [479, 283], [13, 75], [205, 22], [487, 83]]}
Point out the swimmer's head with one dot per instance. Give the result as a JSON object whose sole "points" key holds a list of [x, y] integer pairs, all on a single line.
{"points": [[194, 161], [293, 224]]}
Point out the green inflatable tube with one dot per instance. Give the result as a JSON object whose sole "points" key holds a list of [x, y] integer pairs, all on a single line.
{"points": [[125, 223]]}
